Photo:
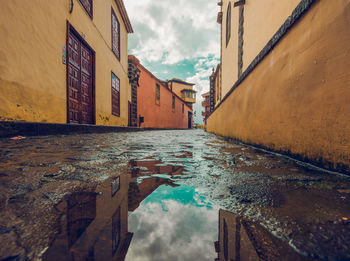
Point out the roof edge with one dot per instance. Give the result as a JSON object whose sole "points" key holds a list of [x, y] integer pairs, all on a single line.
{"points": [[181, 81], [124, 14]]}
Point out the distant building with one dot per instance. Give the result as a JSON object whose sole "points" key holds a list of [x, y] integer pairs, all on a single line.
{"points": [[155, 104], [64, 62], [183, 89], [282, 82], [215, 88], [206, 105]]}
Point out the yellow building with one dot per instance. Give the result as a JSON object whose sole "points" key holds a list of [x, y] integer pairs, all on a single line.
{"points": [[64, 61], [284, 77], [183, 89]]}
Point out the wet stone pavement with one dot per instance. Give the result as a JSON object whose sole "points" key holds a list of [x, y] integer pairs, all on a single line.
{"points": [[166, 195]]}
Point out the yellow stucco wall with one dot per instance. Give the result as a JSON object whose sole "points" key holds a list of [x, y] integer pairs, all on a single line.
{"points": [[178, 87], [297, 99], [32, 75], [229, 52], [262, 19]]}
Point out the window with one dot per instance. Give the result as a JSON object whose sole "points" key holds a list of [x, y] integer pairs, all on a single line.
{"points": [[173, 103], [183, 108], [115, 95], [116, 231], [87, 4], [225, 240], [228, 23], [157, 94], [115, 35], [187, 94]]}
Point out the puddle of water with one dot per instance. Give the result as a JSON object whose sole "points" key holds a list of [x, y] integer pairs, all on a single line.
{"points": [[124, 217], [164, 218], [156, 219], [240, 239], [173, 223], [150, 167]]}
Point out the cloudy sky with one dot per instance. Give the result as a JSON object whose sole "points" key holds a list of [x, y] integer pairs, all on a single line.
{"points": [[176, 39]]}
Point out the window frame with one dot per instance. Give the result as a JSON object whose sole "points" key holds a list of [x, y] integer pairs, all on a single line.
{"points": [[228, 23], [85, 8], [113, 14], [115, 113], [157, 94]]}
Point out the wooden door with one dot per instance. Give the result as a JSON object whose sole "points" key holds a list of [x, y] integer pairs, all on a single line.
{"points": [[80, 81], [190, 120]]}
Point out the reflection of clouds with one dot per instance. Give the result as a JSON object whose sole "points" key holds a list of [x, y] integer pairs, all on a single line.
{"points": [[184, 232]]}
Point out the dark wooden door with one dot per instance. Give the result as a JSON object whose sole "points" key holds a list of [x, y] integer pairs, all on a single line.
{"points": [[80, 81], [189, 120]]}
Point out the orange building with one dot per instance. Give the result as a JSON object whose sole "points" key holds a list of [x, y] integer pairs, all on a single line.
{"points": [[206, 105], [158, 106]]}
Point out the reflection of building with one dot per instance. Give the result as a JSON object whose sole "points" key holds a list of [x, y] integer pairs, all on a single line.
{"points": [[206, 105], [149, 167], [156, 105], [284, 77], [67, 63], [94, 226], [138, 192], [240, 239]]}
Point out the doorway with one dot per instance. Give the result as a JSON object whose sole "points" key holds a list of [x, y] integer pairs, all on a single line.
{"points": [[80, 79], [190, 120]]}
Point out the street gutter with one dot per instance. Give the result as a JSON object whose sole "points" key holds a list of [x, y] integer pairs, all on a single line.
{"points": [[16, 128]]}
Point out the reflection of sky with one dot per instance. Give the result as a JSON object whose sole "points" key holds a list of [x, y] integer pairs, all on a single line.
{"points": [[173, 224]]}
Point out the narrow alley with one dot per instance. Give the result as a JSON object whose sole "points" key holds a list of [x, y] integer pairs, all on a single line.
{"points": [[166, 195]]}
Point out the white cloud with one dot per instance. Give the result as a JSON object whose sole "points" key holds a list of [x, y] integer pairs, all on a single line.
{"points": [[170, 31]]}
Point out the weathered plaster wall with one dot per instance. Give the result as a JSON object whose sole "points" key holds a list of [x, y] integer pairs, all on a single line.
{"points": [[32, 75], [297, 98], [229, 52], [262, 19], [162, 115]]}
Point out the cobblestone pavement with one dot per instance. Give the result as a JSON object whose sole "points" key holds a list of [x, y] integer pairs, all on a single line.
{"points": [[283, 205]]}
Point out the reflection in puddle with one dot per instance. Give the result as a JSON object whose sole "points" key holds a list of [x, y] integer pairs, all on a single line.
{"points": [[240, 239], [138, 192], [93, 226], [164, 218], [149, 167], [131, 217], [173, 224]]}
